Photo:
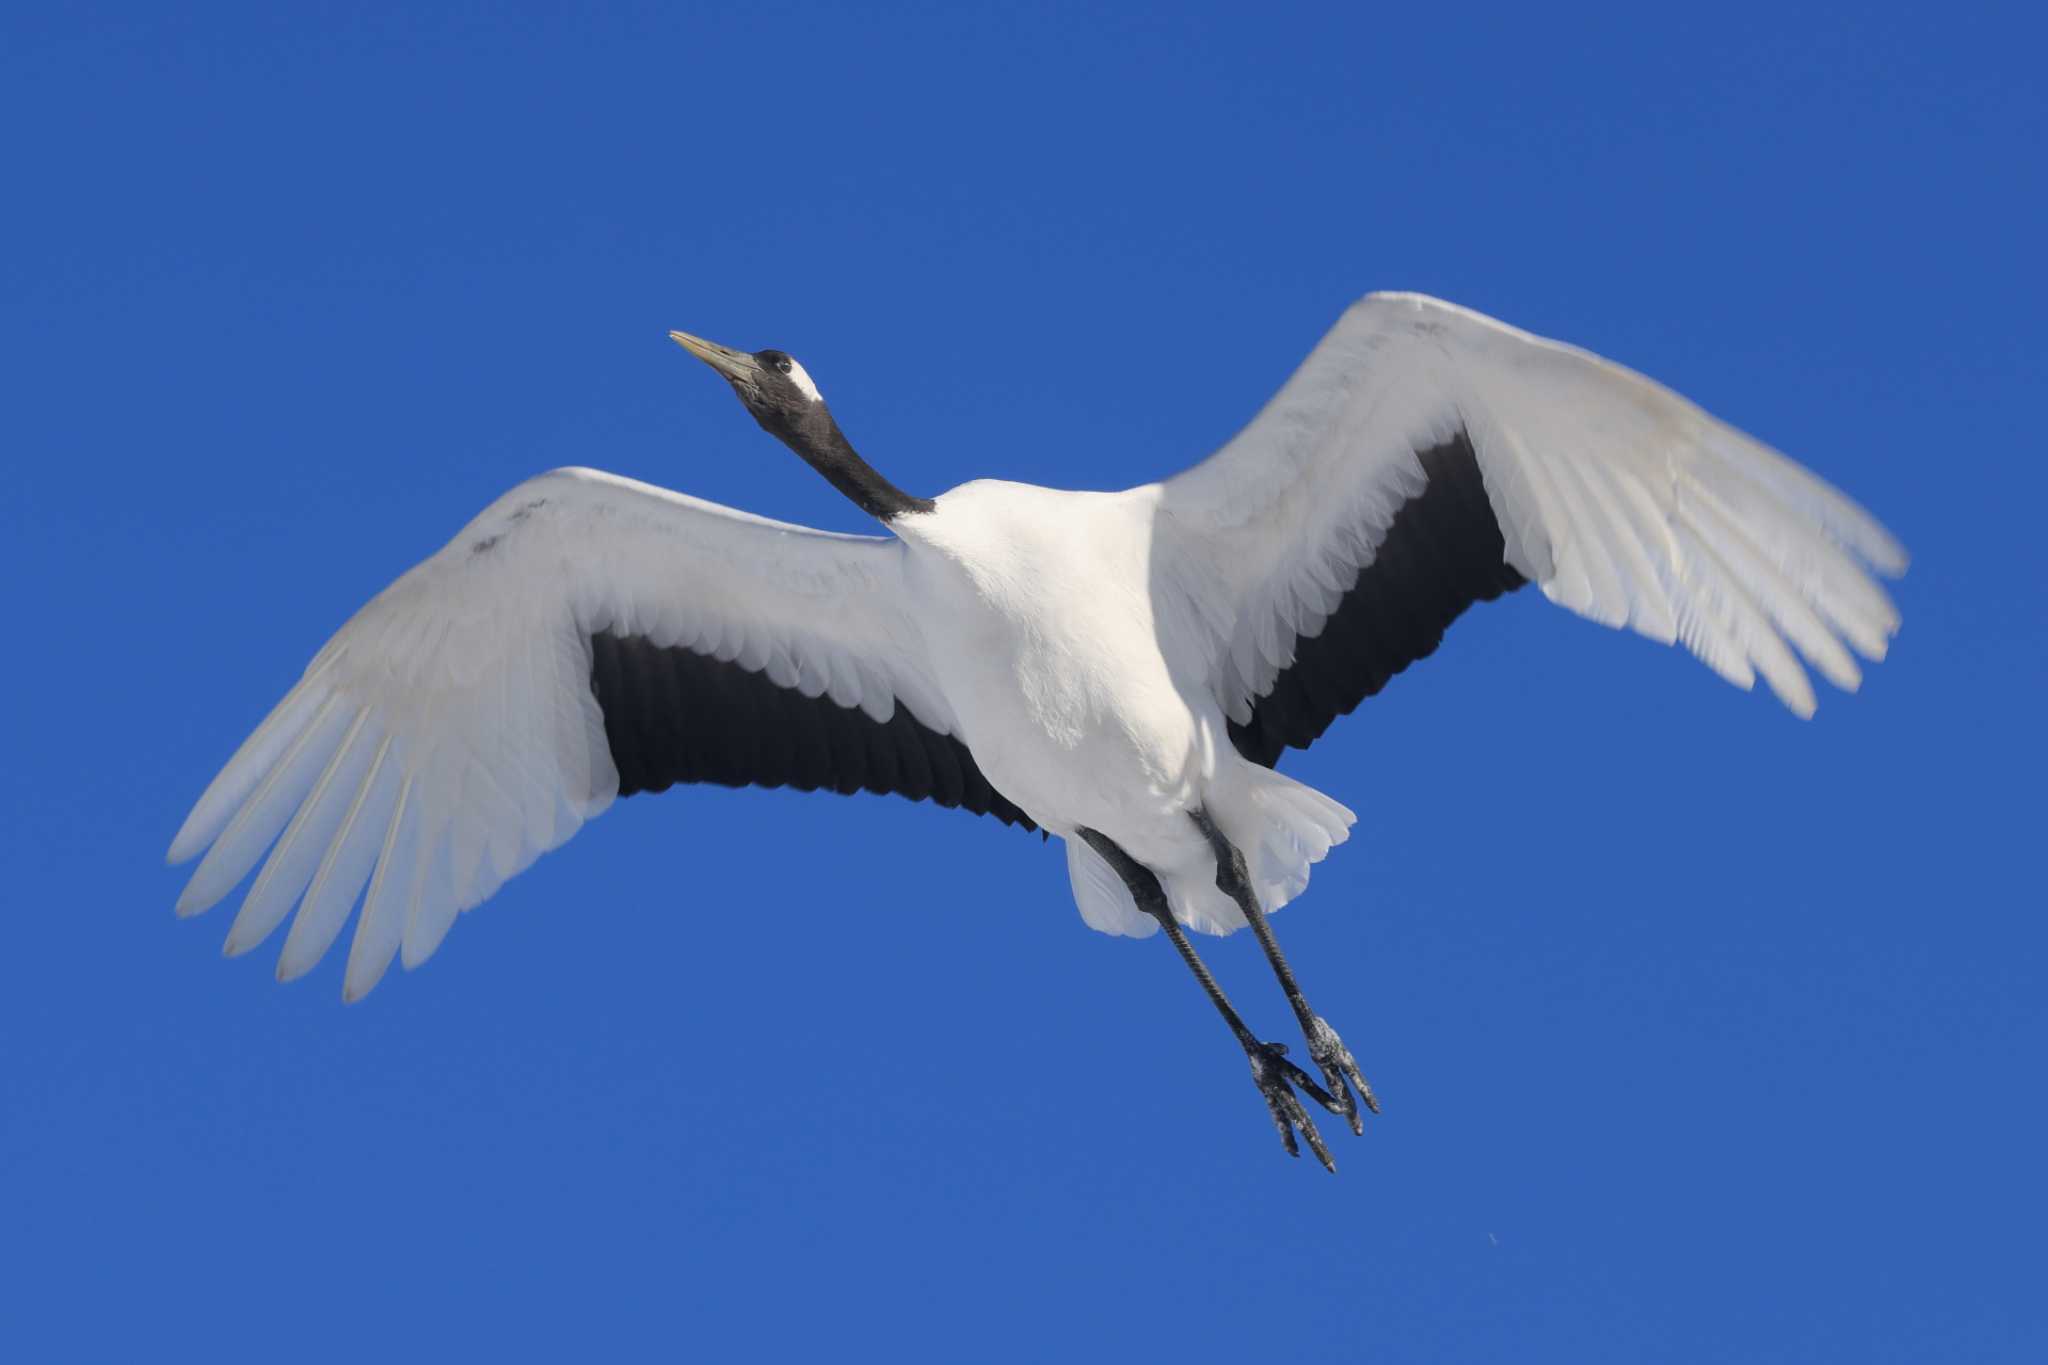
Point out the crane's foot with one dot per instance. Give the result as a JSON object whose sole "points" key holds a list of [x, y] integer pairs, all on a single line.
{"points": [[1277, 1078], [1338, 1066]]}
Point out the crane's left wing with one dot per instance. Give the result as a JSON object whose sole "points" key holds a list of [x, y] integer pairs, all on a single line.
{"points": [[585, 637], [1425, 457]]}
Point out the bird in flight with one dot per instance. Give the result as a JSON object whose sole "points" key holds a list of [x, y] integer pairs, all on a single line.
{"points": [[1122, 670]]}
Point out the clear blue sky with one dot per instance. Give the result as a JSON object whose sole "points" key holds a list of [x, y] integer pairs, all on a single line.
{"points": [[1704, 1034]]}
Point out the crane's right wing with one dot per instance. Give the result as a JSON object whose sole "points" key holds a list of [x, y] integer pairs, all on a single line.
{"points": [[587, 636], [1425, 457]]}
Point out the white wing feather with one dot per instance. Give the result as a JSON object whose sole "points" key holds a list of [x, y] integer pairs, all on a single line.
{"points": [[448, 735], [1618, 498]]}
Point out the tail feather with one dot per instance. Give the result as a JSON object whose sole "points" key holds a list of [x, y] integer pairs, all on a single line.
{"points": [[1300, 826], [1105, 902], [1283, 827]]}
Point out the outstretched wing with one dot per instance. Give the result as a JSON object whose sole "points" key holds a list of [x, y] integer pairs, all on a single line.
{"points": [[585, 637], [1425, 457]]}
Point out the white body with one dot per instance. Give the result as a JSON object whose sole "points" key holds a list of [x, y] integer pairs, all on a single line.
{"points": [[1077, 678], [1088, 648]]}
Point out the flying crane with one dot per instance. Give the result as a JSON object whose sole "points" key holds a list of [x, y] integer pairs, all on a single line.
{"points": [[1121, 670]]}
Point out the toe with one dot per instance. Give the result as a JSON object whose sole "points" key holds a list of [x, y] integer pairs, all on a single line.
{"points": [[1272, 1072], [1338, 1066], [1308, 1130]]}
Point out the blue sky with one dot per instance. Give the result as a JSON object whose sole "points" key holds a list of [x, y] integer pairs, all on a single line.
{"points": [[1704, 1034]]}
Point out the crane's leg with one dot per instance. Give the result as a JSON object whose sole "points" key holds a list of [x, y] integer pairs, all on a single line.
{"points": [[1271, 1071], [1325, 1048]]}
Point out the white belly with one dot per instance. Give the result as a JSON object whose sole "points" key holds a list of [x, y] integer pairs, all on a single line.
{"points": [[1077, 680], [1045, 643]]}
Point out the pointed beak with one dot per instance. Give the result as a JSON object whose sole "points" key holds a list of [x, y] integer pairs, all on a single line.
{"points": [[734, 365]]}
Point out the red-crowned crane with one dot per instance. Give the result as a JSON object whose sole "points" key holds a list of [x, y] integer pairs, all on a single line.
{"points": [[1118, 669]]}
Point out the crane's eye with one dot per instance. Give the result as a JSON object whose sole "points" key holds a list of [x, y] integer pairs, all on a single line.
{"points": [[782, 364]]}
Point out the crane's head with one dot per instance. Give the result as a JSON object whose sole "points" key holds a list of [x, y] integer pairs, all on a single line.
{"points": [[774, 387], [788, 406]]}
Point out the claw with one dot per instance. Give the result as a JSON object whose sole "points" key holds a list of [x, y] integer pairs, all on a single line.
{"points": [[1328, 1052], [1272, 1073]]}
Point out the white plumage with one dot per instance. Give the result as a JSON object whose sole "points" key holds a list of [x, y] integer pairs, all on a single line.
{"points": [[1617, 497], [448, 735], [1104, 659]]}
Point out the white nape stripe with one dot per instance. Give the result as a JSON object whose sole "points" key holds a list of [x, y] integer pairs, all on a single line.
{"points": [[801, 377]]}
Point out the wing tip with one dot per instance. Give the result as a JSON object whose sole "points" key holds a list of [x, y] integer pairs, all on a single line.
{"points": [[185, 845], [291, 966], [189, 905], [361, 976]]}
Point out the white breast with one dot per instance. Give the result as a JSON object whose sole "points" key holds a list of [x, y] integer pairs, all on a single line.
{"points": [[1046, 637]]}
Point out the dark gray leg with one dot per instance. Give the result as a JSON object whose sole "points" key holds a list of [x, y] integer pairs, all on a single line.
{"points": [[1271, 1071], [1325, 1048]]}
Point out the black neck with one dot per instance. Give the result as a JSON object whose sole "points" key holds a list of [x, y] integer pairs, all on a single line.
{"points": [[817, 438]]}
